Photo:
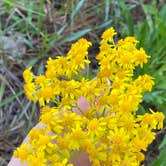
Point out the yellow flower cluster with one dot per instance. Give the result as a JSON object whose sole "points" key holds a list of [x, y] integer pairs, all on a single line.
{"points": [[95, 116]]}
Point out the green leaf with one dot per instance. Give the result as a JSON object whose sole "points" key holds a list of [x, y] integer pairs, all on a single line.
{"points": [[142, 33], [74, 36], [107, 9], [78, 7], [23, 112], [60, 31], [149, 9], [10, 99], [161, 159], [141, 110], [8, 7], [126, 13], [40, 69], [162, 85], [163, 143], [104, 25], [30, 122], [17, 4], [162, 14], [2, 88], [32, 62], [52, 38], [130, 23]]}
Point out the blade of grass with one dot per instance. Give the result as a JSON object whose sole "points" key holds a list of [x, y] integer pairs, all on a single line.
{"points": [[77, 8], [74, 36], [60, 31], [20, 6], [107, 10], [32, 62], [162, 13], [31, 118], [2, 88], [10, 99], [40, 19], [148, 16], [104, 25], [23, 112], [161, 160], [75, 12], [41, 68], [130, 22]]}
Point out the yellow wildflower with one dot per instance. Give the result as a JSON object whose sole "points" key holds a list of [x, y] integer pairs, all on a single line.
{"points": [[95, 116], [28, 75], [108, 34]]}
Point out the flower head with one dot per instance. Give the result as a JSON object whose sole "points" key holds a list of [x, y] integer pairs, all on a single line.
{"points": [[95, 116]]}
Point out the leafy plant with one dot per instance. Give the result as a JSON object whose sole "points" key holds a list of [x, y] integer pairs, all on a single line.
{"points": [[152, 35]]}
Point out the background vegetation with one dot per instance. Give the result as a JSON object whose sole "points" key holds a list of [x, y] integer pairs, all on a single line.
{"points": [[32, 31]]}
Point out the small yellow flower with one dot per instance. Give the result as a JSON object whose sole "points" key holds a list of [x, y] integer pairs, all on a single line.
{"points": [[139, 144], [108, 34], [141, 57], [22, 152], [28, 75]]}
